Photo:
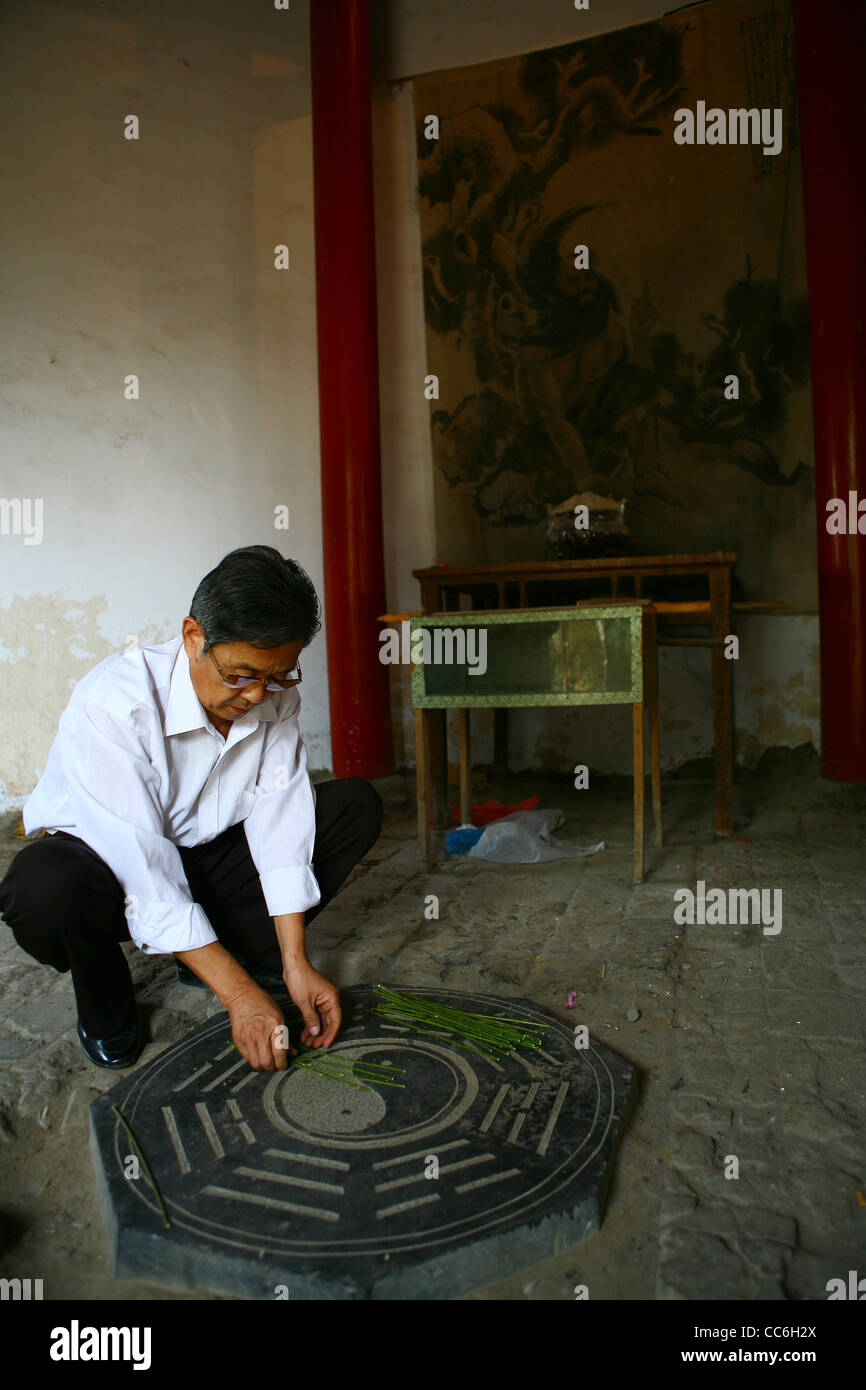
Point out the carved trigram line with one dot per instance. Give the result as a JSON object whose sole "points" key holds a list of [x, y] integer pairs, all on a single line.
{"points": [[407, 1206], [534, 1071], [209, 1128], [485, 1182], [552, 1118], [183, 1162], [223, 1074], [421, 1153], [448, 1168], [288, 1178], [308, 1158], [523, 1112], [194, 1076], [271, 1202], [237, 1113], [492, 1112]]}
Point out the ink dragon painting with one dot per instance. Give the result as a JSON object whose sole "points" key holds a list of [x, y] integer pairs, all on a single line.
{"points": [[592, 288]]}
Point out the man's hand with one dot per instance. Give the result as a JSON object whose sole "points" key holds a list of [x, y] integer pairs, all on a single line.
{"points": [[317, 1000], [253, 1014], [315, 996], [258, 1029]]}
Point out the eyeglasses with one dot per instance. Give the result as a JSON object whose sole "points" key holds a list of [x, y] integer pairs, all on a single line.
{"points": [[239, 682]]}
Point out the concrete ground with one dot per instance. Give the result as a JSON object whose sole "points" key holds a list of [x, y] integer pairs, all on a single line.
{"points": [[749, 1045]]}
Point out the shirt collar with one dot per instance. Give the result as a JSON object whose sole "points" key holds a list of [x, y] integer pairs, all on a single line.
{"points": [[184, 710]]}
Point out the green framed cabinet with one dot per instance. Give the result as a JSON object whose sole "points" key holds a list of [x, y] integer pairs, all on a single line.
{"points": [[588, 654]]}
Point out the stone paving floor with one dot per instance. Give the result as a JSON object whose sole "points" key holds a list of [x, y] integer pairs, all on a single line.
{"points": [[749, 1045]]}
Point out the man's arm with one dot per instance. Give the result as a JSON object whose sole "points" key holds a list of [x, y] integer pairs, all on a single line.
{"points": [[315, 996], [281, 828], [114, 790], [254, 1016], [281, 833], [253, 1013]]}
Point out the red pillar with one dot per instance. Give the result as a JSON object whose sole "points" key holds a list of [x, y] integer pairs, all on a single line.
{"points": [[349, 386], [830, 47]]}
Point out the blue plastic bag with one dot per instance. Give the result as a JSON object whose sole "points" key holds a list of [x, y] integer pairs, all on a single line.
{"points": [[462, 839]]}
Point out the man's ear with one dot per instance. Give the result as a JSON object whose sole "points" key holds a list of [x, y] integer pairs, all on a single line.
{"points": [[193, 637]]}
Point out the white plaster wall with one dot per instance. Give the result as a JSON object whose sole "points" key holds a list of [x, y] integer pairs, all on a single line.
{"points": [[156, 258]]}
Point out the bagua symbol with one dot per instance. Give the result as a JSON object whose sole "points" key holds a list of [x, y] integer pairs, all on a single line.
{"points": [[438, 646]]}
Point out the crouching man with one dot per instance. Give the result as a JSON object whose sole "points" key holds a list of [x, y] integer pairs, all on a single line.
{"points": [[179, 812]]}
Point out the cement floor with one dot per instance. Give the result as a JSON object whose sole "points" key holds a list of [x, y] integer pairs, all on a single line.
{"points": [[749, 1045]]}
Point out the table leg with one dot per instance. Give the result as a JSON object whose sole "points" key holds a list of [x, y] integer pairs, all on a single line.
{"points": [[437, 737], [720, 618], [651, 676], [722, 718], [638, 719], [500, 743], [465, 770], [422, 764]]}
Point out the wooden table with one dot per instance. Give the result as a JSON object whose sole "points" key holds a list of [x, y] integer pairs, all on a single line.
{"points": [[586, 654], [691, 590]]}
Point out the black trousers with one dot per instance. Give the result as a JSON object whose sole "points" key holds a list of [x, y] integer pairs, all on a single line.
{"points": [[66, 908]]}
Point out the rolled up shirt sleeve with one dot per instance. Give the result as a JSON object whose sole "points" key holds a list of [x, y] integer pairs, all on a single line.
{"points": [[115, 790], [281, 828]]}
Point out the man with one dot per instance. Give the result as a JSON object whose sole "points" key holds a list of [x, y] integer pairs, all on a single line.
{"points": [[179, 811]]}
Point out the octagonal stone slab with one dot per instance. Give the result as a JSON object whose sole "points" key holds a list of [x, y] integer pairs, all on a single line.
{"points": [[285, 1184]]}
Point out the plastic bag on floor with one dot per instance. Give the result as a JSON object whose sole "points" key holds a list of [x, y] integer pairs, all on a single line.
{"points": [[462, 839], [524, 838]]}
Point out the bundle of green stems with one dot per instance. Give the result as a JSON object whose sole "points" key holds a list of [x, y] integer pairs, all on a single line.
{"points": [[343, 1069], [492, 1035]]}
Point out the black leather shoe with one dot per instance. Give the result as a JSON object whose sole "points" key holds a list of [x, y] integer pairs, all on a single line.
{"points": [[120, 1050]]}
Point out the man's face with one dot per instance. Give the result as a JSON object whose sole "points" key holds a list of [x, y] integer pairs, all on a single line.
{"points": [[221, 701]]}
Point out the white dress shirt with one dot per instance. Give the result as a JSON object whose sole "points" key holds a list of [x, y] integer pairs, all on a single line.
{"points": [[137, 769]]}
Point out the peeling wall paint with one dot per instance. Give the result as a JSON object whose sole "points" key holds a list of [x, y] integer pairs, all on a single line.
{"points": [[48, 642], [153, 258]]}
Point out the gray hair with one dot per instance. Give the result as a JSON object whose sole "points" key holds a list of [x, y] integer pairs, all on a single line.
{"points": [[255, 595]]}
